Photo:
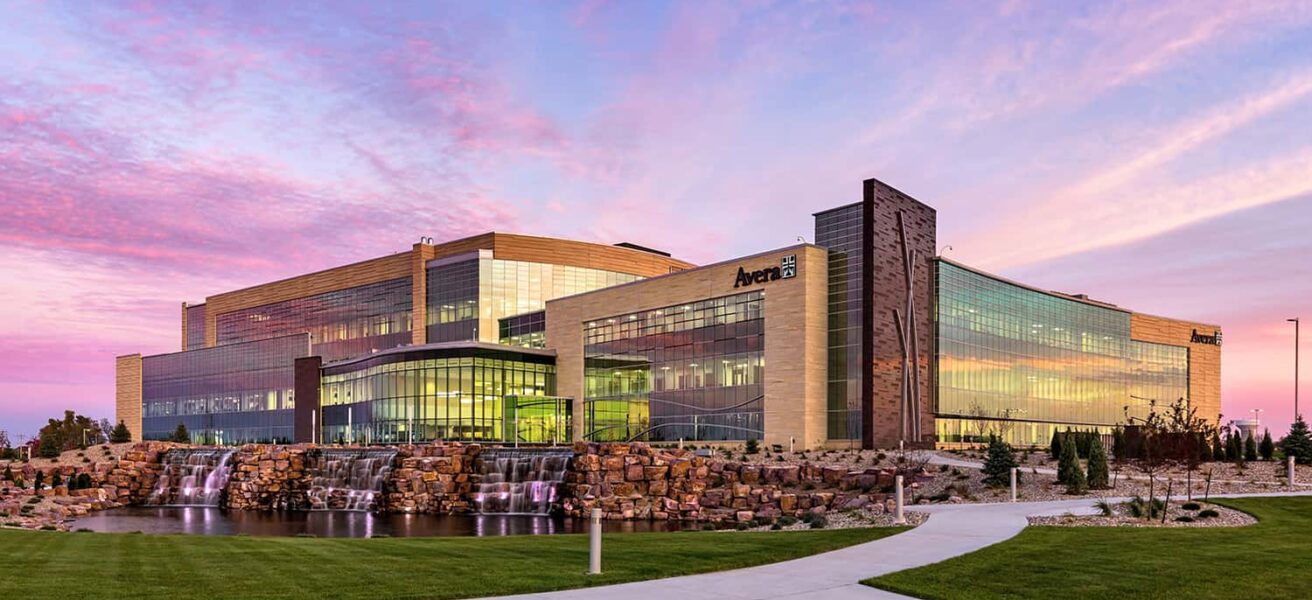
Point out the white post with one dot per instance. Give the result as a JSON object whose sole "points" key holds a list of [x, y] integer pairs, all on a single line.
{"points": [[594, 544], [899, 518], [1013, 484], [792, 444], [681, 443], [1290, 472], [314, 427]]}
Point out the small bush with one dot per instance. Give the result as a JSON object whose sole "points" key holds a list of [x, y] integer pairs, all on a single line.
{"points": [[1190, 506], [82, 530], [753, 446], [306, 535], [1105, 508], [49, 528], [708, 526], [820, 522], [742, 527], [1208, 513], [380, 535], [1184, 519], [776, 527], [787, 520]]}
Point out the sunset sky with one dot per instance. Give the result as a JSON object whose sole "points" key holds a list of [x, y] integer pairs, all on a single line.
{"points": [[1156, 155]]}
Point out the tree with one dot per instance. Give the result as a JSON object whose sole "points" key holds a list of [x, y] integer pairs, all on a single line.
{"points": [[1298, 443], [1250, 449], [1054, 448], [49, 446], [120, 434], [54, 480], [999, 463], [38, 480], [4, 440], [1218, 450], [1267, 448], [9, 473], [1068, 465], [1234, 450], [71, 431], [180, 434], [1118, 444], [1099, 476]]}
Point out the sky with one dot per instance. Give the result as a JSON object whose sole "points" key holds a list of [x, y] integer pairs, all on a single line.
{"points": [[1157, 155]]}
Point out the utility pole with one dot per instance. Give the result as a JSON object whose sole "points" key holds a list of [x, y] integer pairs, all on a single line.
{"points": [[1295, 322]]}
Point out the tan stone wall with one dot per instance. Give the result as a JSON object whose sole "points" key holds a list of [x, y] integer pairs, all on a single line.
{"points": [[127, 393], [795, 334], [1204, 359]]}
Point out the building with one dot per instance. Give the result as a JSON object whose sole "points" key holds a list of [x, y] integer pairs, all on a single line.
{"points": [[864, 338]]}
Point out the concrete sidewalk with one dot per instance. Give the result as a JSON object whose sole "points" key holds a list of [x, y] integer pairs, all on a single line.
{"points": [[952, 530]]}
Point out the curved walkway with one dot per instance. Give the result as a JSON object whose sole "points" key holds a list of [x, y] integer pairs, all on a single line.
{"points": [[952, 530]]}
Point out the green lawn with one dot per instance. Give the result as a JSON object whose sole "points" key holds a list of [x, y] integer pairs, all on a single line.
{"points": [[40, 564], [1272, 559]]}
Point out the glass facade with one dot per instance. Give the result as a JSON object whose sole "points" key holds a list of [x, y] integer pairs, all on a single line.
{"points": [[224, 395], [483, 289], [195, 328], [840, 231], [453, 301], [341, 323], [1023, 363], [442, 394], [528, 330], [691, 371]]}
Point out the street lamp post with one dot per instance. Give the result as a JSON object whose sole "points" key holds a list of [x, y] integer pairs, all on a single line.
{"points": [[1295, 322]]}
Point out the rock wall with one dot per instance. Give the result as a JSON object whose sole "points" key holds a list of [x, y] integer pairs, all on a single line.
{"points": [[636, 481], [433, 479], [268, 477]]}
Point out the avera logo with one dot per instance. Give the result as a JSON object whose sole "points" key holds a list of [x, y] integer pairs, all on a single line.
{"points": [[789, 266], [1199, 338]]}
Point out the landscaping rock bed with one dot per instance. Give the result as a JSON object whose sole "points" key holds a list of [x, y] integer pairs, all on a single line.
{"points": [[1205, 515]]}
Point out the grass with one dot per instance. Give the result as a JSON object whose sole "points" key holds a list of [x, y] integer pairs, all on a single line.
{"points": [[112, 565], [1267, 560]]}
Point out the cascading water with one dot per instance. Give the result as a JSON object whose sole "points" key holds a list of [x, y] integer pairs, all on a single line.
{"points": [[520, 481], [348, 479], [192, 477]]}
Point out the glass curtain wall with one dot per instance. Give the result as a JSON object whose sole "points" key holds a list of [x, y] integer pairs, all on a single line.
{"points": [[839, 230], [229, 394], [1021, 363], [341, 323], [447, 398], [691, 371], [195, 327], [483, 289], [528, 330]]}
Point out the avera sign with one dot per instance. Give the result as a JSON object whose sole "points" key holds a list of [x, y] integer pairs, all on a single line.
{"points": [[1198, 338], [787, 269]]}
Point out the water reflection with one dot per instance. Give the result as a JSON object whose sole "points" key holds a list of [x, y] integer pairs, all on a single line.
{"points": [[213, 521]]}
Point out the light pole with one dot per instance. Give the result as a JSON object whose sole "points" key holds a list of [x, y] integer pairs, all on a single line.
{"points": [[1257, 418], [1295, 322]]}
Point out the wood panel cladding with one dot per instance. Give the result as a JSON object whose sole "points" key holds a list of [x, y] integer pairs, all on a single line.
{"points": [[413, 263], [529, 248], [1204, 359], [127, 393]]}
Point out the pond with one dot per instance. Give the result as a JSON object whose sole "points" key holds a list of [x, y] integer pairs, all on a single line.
{"points": [[329, 523]]}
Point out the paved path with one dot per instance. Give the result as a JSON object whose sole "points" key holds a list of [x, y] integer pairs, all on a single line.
{"points": [[952, 530]]}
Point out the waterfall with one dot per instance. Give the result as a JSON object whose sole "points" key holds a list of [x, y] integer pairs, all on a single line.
{"points": [[348, 478], [192, 477], [516, 481]]}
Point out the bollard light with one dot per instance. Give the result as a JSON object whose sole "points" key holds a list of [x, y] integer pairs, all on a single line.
{"points": [[1013, 484], [1290, 472], [899, 518], [594, 544]]}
